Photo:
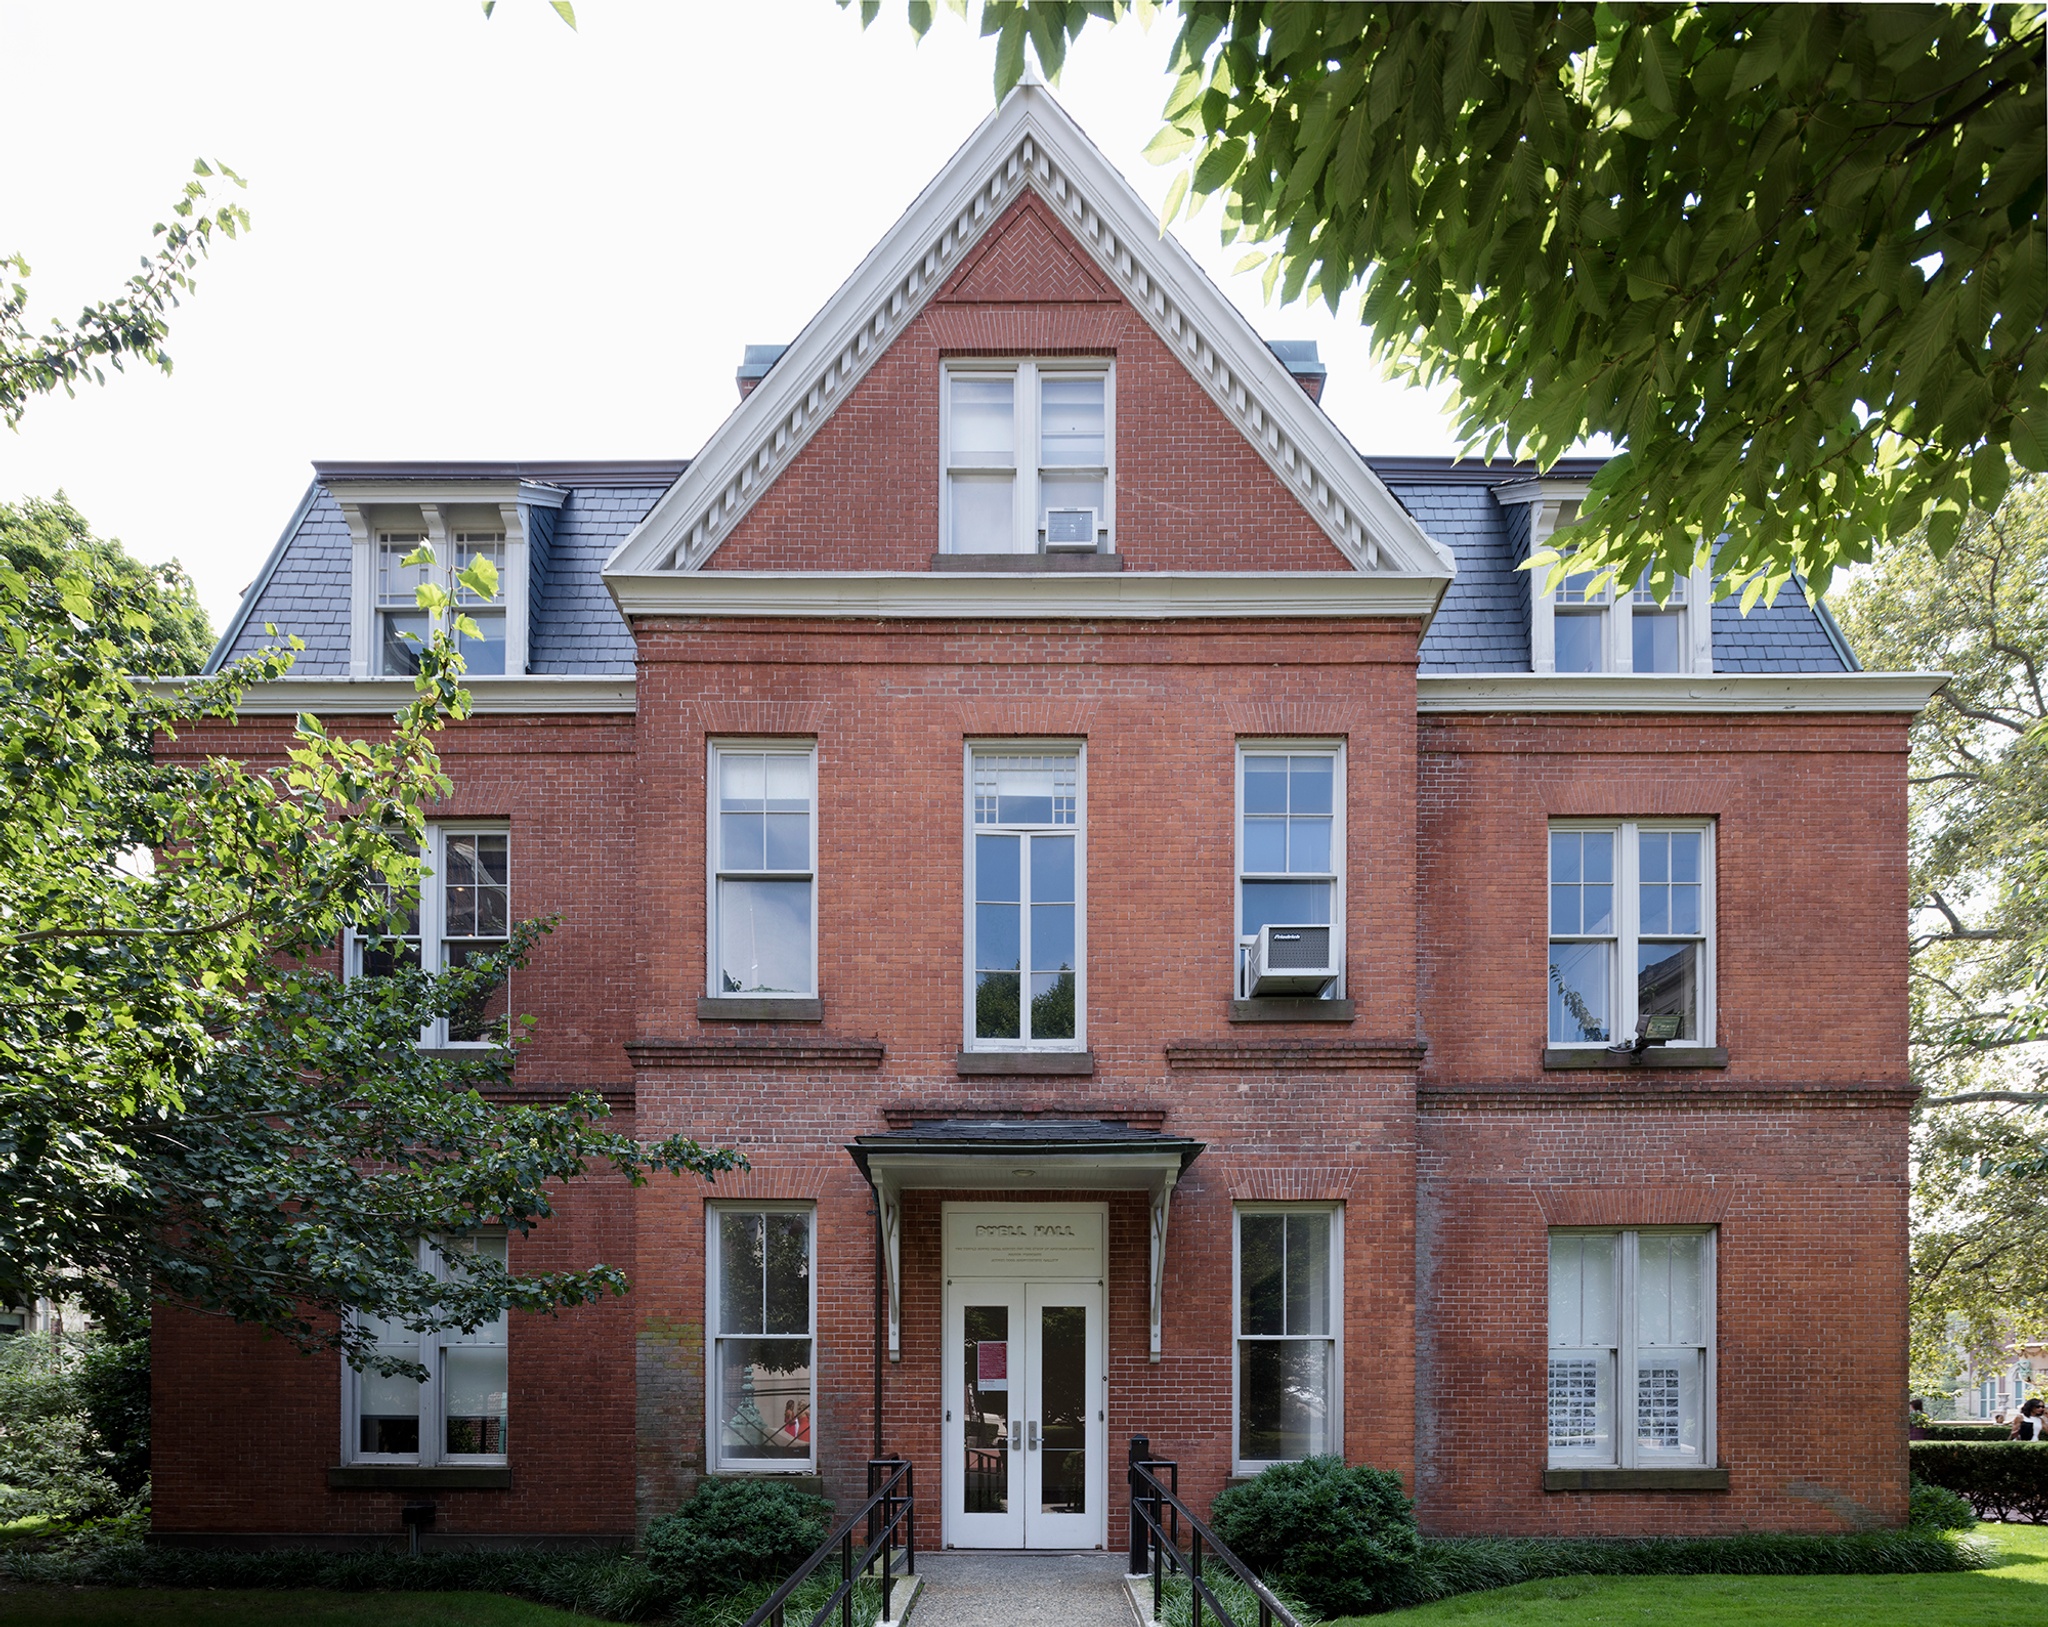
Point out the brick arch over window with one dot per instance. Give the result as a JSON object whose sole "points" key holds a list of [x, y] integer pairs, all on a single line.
{"points": [[1192, 494]]}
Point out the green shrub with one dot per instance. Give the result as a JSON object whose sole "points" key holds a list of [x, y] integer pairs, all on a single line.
{"points": [[2004, 1480], [1951, 1431], [113, 1389], [1176, 1601], [1936, 1508], [734, 1532], [52, 1466], [1342, 1540]]}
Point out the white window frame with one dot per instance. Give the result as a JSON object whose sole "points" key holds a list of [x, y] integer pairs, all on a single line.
{"points": [[1027, 371], [1026, 748], [1627, 929], [433, 1426], [1555, 503], [742, 745], [1626, 1454], [1240, 1464], [433, 935], [1339, 853], [714, 1450]]}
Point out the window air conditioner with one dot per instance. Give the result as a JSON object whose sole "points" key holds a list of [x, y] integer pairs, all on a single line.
{"points": [[1296, 960], [1070, 530]]}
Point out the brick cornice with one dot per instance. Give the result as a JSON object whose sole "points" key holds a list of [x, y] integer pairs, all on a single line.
{"points": [[1549, 1096], [1295, 1056], [796, 1051]]}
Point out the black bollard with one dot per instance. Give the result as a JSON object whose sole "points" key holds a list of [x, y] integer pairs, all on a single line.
{"points": [[1141, 1548]]}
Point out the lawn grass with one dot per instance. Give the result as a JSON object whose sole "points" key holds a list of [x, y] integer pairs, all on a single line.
{"points": [[207, 1607], [2011, 1593]]}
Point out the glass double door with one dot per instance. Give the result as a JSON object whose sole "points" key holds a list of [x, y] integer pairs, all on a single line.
{"points": [[1025, 1415]]}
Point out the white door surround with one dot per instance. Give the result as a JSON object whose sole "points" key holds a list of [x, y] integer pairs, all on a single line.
{"points": [[1024, 1375]]}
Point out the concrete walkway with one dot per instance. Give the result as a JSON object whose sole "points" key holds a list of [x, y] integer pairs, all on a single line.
{"points": [[980, 1588]]}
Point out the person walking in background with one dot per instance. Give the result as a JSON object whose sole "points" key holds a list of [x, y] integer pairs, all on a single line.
{"points": [[2032, 1422]]}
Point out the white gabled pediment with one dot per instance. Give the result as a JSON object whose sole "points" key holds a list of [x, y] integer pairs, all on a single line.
{"points": [[1030, 143]]}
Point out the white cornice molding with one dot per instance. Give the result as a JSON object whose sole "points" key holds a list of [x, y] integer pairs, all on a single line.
{"points": [[1542, 490], [1054, 595], [446, 492], [1030, 142], [334, 697], [1904, 692]]}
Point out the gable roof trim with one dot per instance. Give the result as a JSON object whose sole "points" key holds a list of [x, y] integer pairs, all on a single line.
{"points": [[1030, 143]]}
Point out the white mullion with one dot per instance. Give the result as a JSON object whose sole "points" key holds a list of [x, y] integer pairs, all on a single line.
{"points": [[1627, 920], [1024, 407], [431, 901], [1108, 517], [1709, 1371], [1620, 628], [1625, 1355]]}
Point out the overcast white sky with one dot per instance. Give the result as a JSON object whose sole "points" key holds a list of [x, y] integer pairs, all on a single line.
{"points": [[493, 239]]}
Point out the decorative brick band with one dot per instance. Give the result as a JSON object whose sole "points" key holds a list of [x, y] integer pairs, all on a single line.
{"points": [[1693, 1203], [1294, 1056], [1547, 1096], [822, 1051], [1137, 1117]]}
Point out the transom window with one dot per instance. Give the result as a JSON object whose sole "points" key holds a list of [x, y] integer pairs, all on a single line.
{"points": [[1631, 931], [764, 870], [1025, 979], [762, 1305], [463, 910], [459, 1412], [403, 628], [1631, 1381], [1290, 843], [1287, 1331], [1028, 458]]}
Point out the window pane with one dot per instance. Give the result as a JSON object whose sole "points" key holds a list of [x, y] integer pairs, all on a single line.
{"points": [[399, 583], [1024, 793], [742, 1271], [764, 1398], [985, 1409], [1667, 983], [1063, 1394], [1067, 492], [982, 521], [1052, 1005], [1596, 848], [998, 946], [998, 871], [1308, 1273], [1685, 855], [473, 1398], [1311, 782], [1286, 903], [1653, 848], [1262, 1273], [789, 841], [742, 779], [1025, 790], [1308, 845], [1283, 1398], [1052, 938], [388, 1414], [1565, 849], [1671, 1289], [1265, 785], [743, 841], [788, 1269], [764, 937], [1071, 421], [1668, 1403], [484, 656], [402, 635], [1579, 588], [475, 882], [1582, 1404], [458, 1253], [1578, 992], [788, 783], [481, 1015], [998, 1006], [1577, 640], [1582, 1289], [984, 421], [1265, 846], [469, 546], [1052, 870], [1656, 637]]}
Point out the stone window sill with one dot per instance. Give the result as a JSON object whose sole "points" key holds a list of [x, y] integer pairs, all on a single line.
{"points": [[1655, 1059], [1024, 1062], [1027, 563], [725, 1008], [1276, 1010], [406, 1477], [1635, 1479]]}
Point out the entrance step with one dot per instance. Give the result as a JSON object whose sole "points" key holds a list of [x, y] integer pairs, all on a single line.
{"points": [[1000, 1588]]}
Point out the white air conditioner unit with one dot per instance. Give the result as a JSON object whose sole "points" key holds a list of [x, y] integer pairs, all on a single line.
{"points": [[1070, 530], [1297, 960]]}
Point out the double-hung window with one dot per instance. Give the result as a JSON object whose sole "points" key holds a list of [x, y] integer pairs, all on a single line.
{"points": [[1632, 1349], [1631, 930], [1288, 1298], [1026, 870], [1290, 845], [1029, 460], [1579, 619], [1588, 625], [463, 910], [458, 1413], [403, 628], [762, 1305], [764, 869]]}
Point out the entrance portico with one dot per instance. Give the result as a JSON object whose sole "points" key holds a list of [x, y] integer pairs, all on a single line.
{"points": [[1023, 1333]]}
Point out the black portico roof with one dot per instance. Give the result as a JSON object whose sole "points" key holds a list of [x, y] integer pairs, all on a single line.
{"points": [[1007, 1137]]}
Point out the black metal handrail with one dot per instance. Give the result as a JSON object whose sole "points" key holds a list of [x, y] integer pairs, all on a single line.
{"points": [[1157, 1514], [891, 1502]]}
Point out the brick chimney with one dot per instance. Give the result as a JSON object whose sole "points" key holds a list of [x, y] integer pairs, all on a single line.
{"points": [[1299, 357], [757, 359]]}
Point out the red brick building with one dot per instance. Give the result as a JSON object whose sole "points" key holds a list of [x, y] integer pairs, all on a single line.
{"points": [[1193, 941]]}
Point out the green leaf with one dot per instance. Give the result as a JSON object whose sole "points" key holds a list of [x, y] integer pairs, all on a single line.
{"points": [[1170, 143], [2030, 439], [564, 9], [1176, 195]]}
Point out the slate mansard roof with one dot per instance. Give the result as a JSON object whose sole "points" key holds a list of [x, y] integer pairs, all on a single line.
{"points": [[1482, 625]]}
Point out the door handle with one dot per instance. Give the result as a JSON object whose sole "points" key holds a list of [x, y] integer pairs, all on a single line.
{"points": [[1016, 1433], [1031, 1445]]}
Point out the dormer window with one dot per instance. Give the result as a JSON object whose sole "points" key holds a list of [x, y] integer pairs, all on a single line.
{"points": [[1579, 614], [1028, 457], [403, 629]]}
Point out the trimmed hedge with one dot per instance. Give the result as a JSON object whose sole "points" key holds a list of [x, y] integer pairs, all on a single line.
{"points": [[1953, 1431], [734, 1533], [2004, 1480]]}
